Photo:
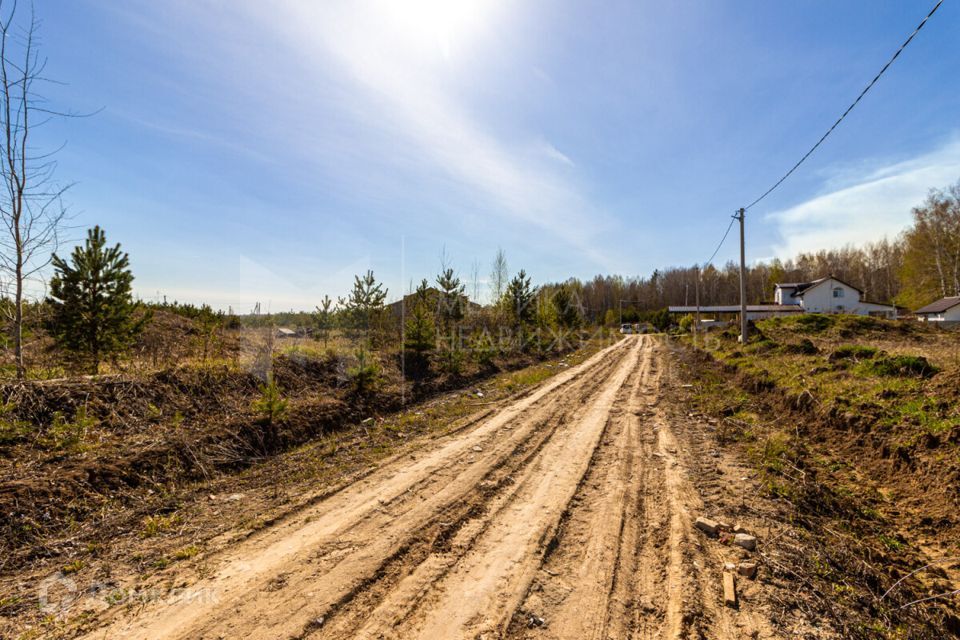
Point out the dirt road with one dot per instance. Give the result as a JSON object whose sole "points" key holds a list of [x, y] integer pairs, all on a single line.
{"points": [[564, 514]]}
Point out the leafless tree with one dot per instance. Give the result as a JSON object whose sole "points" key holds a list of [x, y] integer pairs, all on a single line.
{"points": [[475, 280], [498, 276], [30, 202]]}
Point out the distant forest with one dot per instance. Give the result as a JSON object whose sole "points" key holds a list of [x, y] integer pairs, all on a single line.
{"points": [[919, 266]]}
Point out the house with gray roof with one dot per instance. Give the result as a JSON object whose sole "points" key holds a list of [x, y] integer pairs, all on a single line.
{"points": [[945, 312], [830, 295]]}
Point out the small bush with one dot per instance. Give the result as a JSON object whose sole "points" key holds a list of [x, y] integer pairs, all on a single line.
{"points": [[902, 366], [366, 375], [12, 430], [68, 434], [453, 361], [270, 405], [185, 553], [854, 352], [484, 350], [155, 525]]}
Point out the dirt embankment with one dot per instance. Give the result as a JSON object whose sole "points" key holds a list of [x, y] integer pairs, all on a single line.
{"points": [[565, 513], [873, 494], [70, 448]]}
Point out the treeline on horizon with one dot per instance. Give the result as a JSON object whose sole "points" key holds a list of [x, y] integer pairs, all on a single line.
{"points": [[917, 267]]}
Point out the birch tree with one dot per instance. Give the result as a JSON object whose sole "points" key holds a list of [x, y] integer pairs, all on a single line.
{"points": [[31, 208]]}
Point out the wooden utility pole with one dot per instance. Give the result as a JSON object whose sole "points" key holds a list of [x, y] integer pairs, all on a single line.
{"points": [[743, 281], [696, 317]]}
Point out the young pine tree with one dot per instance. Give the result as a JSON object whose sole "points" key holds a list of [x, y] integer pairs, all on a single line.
{"points": [[452, 300], [450, 312], [364, 308], [92, 308], [420, 330], [520, 302], [323, 317], [566, 308]]}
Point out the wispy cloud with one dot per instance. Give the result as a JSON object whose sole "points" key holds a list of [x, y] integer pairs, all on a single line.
{"points": [[406, 91], [865, 204], [551, 152]]}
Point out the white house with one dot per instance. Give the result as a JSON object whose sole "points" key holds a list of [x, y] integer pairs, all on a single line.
{"points": [[830, 295], [945, 312]]}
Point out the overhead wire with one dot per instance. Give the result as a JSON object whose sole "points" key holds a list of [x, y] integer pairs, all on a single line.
{"points": [[850, 108], [831, 129], [720, 244]]}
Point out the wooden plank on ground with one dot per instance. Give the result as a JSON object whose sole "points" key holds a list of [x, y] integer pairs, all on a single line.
{"points": [[729, 590]]}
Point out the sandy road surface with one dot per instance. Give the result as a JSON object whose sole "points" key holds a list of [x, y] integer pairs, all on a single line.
{"points": [[565, 514]]}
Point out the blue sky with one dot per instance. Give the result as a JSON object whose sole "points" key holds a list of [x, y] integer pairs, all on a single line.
{"points": [[267, 151]]}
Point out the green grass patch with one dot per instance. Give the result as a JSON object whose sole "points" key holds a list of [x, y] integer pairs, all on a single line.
{"points": [[804, 322], [901, 366], [526, 377], [764, 345], [155, 525], [185, 553], [854, 352]]}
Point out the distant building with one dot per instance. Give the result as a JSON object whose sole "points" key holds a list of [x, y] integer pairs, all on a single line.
{"points": [[283, 332], [945, 312], [754, 311], [435, 301], [830, 295]]}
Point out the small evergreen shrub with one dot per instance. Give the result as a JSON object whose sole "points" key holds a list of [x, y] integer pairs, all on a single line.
{"points": [[484, 350], [68, 434], [366, 375], [270, 405]]}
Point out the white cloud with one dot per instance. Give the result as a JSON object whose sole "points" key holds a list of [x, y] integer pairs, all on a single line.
{"points": [[876, 202], [404, 87], [549, 151]]}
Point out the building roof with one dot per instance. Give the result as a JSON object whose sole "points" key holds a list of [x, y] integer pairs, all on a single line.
{"points": [[735, 308], [940, 305], [802, 287]]}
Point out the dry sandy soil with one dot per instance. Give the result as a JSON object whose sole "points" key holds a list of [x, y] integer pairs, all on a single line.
{"points": [[565, 513]]}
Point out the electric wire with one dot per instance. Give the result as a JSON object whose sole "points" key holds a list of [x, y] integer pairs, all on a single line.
{"points": [[850, 108], [722, 240]]}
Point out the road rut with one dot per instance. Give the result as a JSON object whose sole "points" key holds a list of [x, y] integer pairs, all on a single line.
{"points": [[563, 514]]}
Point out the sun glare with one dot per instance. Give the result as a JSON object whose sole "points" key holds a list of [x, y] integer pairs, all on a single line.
{"points": [[446, 25]]}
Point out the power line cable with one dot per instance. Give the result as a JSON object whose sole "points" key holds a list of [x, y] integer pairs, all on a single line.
{"points": [[722, 240], [849, 109]]}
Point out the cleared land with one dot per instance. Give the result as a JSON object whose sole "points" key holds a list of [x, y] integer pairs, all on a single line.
{"points": [[565, 510], [564, 513]]}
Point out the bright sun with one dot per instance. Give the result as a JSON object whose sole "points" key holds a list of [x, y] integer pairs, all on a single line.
{"points": [[446, 24]]}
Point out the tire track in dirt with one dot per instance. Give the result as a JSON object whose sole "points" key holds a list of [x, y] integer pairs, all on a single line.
{"points": [[627, 563], [576, 581], [392, 593], [478, 596], [566, 514], [320, 559]]}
